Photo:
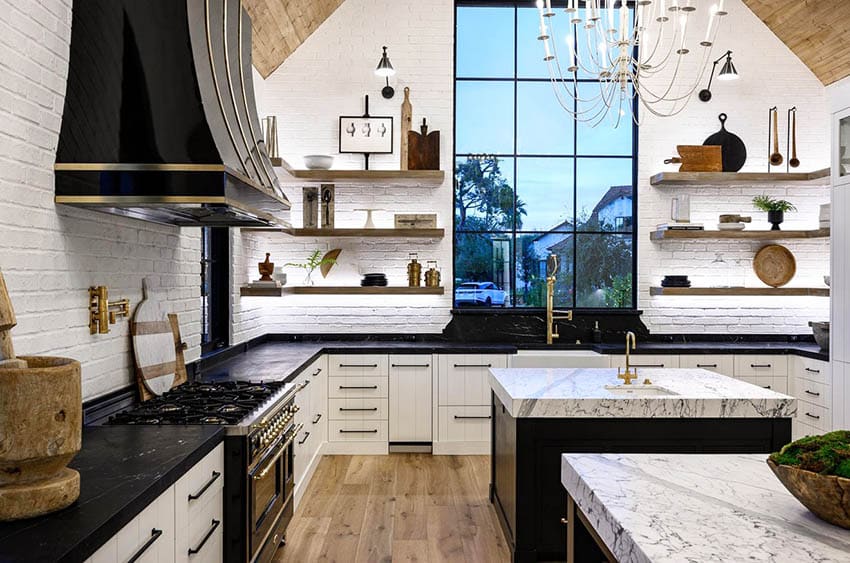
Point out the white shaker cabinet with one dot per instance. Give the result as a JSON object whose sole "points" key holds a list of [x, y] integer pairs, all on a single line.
{"points": [[410, 398]]}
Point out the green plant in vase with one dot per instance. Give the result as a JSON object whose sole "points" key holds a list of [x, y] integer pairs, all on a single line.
{"points": [[315, 260], [775, 209]]}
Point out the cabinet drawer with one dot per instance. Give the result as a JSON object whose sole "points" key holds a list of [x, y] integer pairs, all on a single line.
{"points": [[201, 541], [646, 361], [357, 431], [463, 378], [362, 387], [813, 415], [201, 483], [464, 424], [777, 383], [724, 365], [814, 370], [357, 409], [761, 365], [812, 392], [358, 365]]}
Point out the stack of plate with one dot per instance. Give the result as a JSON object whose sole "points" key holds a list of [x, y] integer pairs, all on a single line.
{"points": [[675, 281], [374, 280], [731, 226]]}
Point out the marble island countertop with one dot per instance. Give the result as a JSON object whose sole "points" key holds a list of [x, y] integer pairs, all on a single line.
{"points": [[694, 507], [582, 393]]}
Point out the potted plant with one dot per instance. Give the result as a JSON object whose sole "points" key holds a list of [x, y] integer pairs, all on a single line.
{"points": [[314, 261], [775, 208]]}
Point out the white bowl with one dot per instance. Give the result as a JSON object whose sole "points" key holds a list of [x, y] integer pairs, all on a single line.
{"points": [[318, 161]]}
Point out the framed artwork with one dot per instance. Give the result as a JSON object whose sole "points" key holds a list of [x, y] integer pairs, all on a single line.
{"points": [[365, 134]]}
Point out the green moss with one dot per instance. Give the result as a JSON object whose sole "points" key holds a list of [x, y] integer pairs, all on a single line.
{"points": [[828, 454]]}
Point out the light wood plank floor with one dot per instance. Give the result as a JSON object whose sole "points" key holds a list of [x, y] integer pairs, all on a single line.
{"points": [[400, 507]]}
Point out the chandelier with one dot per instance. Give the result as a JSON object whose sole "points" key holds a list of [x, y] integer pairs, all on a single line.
{"points": [[637, 57]]}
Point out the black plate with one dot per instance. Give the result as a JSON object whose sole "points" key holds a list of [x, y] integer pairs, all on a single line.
{"points": [[732, 148]]}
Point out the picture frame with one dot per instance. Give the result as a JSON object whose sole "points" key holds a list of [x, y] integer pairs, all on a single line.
{"points": [[365, 134]]}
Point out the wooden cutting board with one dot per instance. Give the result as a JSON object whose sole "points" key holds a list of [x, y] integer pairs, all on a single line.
{"points": [[153, 344], [775, 265], [180, 374], [698, 158], [423, 149]]}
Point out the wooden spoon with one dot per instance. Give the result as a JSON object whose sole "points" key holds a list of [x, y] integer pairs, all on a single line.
{"points": [[794, 162], [776, 157]]}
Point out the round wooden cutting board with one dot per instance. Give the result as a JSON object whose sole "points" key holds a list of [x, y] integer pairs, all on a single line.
{"points": [[153, 343], [775, 265]]}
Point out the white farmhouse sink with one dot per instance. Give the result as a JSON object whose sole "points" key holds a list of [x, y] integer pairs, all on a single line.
{"points": [[636, 390]]}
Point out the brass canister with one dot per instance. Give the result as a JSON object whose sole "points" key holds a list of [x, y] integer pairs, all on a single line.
{"points": [[432, 274], [414, 271]]}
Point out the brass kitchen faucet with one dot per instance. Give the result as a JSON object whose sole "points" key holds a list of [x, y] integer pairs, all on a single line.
{"points": [[553, 315]]}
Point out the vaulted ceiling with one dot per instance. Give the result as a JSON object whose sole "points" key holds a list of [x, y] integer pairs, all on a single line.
{"points": [[817, 31], [280, 26]]}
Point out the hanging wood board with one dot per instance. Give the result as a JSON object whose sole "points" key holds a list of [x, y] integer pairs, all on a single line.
{"points": [[406, 124], [699, 158], [153, 344], [775, 265], [733, 149], [423, 151]]}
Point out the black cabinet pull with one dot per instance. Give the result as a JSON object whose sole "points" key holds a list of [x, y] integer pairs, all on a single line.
{"points": [[706, 365], [647, 365], [317, 372], [765, 386], [761, 365], [358, 386], [810, 370], [341, 431], [370, 409], [810, 415], [306, 435], [154, 536], [317, 419], [212, 529], [411, 365], [473, 365], [358, 365], [812, 393], [459, 417], [199, 494]]}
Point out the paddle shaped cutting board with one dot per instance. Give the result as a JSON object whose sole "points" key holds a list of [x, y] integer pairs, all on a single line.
{"points": [[153, 343]]}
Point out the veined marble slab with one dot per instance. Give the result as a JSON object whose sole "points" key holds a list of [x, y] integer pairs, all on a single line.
{"points": [[688, 507], [581, 393]]}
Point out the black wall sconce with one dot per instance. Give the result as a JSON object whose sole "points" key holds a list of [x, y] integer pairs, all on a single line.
{"points": [[727, 72], [385, 69]]}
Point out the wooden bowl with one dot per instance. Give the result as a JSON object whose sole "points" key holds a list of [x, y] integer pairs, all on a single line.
{"points": [[775, 265], [828, 496]]}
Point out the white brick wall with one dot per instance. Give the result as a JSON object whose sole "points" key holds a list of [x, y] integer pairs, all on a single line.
{"points": [[50, 254]]}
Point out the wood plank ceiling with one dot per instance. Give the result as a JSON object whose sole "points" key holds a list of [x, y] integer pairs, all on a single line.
{"points": [[817, 31], [280, 26]]}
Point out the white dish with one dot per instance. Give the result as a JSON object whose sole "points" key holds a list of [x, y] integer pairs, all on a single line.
{"points": [[318, 161], [731, 226]]}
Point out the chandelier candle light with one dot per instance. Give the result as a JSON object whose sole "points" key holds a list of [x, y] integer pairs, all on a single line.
{"points": [[624, 57]]}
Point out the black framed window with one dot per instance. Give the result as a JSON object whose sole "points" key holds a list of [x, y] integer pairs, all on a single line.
{"points": [[215, 288], [529, 180]]}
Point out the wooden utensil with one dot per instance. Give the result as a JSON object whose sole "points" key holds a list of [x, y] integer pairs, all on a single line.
{"points": [[698, 158], [776, 157], [406, 126], [153, 344], [775, 265], [7, 323], [424, 149], [732, 147], [794, 162]]}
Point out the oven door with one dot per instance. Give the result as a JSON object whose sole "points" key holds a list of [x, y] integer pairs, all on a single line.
{"points": [[268, 489]]}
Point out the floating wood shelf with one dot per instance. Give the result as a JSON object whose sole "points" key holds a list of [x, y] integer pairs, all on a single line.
{"points": [[357, 290], [360, 233], [746, 235], [409, 178], [748, 291], [720, 179], [246, 291]]}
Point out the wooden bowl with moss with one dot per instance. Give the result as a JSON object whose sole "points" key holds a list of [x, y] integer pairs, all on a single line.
{"points": [[816, 470]]}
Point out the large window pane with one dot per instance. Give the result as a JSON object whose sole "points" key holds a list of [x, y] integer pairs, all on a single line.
{"points": [[543, 127], [484, 194], [483, 269], [604, 271], [484, 117], [485, 42], [533, 251], [545, 194], [608, 135], [604, 191], [529, 50]]}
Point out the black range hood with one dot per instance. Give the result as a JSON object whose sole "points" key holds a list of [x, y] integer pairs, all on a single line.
{"points": [[160, 121]]}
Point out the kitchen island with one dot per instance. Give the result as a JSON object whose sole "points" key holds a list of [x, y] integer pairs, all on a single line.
{"points": [[671, 508], [539, 414]]}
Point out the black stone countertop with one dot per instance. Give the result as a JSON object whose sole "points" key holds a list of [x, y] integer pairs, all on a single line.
{"points": [[285, 360], [122, 470]]}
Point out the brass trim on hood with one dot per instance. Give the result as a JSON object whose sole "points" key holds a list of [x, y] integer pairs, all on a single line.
{"points": [[137, 167]]}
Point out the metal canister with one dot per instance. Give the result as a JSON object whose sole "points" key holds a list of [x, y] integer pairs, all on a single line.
{"points": [[432, 274], [414, 271]]}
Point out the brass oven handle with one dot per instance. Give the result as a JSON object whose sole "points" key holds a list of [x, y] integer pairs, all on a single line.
{"points": [[812, 393], [473, 365], [358, 365], [215, 523], [155, 534], [358, 386], [279, 453], [199, 494]]}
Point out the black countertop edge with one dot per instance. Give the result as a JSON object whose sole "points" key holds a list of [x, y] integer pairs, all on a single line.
{"points": [[536, 311], [122, 470]]}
